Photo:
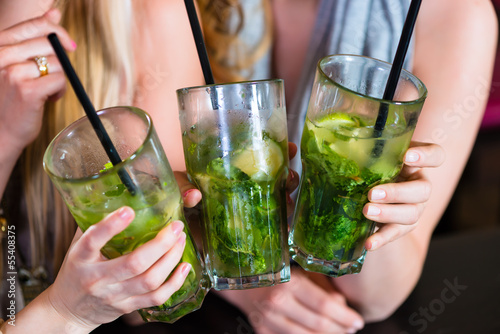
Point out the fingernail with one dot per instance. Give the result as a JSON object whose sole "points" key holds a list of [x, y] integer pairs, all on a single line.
{"points": [[186, 269], [377, 194], [373, 210], [177, 227], [411, 156], [358, 324], [292, 176], [73, 45], [125, 213], [187, 193], [374, 245], [182, 239]]}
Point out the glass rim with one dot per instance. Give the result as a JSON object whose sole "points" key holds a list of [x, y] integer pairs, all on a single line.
{"points": [[141, 113], [421, 99], [225, 84]]}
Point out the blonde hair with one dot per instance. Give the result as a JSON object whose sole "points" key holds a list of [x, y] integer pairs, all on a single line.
{"points": [[104, 63], [230, 57]]}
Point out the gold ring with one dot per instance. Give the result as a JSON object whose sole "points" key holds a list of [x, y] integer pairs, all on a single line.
{"points": [[43, 65]]}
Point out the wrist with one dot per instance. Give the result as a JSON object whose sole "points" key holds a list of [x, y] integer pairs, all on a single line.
{"points": [[39, 316], [62, 315], [11, 149]]}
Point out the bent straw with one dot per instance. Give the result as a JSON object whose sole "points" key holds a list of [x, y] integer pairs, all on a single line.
{"points": [[90, 111], [392, 82], [200, 44]]}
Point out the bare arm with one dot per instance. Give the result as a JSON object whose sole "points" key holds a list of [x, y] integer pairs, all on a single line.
{"points": [[166, 60], [454, 56]]}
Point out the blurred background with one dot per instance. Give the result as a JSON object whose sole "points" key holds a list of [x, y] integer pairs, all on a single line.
{"points": [[476, 202]]}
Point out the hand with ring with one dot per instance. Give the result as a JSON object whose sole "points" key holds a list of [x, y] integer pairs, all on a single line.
{"points": [[30, 74]]}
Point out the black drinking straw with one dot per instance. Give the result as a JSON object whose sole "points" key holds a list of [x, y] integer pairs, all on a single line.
{"points": [[90, 111], [392, 82], [200, 44]]}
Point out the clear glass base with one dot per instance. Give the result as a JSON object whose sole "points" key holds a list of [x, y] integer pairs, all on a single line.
{"points": [[174, 313], [250, 282], [333, 268]]}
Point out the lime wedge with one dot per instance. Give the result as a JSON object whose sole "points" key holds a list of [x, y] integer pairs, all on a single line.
{"points": [[261, 161], [336, 120]]}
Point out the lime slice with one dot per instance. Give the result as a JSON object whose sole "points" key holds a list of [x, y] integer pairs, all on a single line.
{"points": [[260, 162], [336, 120]]}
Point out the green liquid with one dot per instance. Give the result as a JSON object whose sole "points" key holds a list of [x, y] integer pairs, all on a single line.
{"points": [[338, 171], [155, 206], [244, 204]]}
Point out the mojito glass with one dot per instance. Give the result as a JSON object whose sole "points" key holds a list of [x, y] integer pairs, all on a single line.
{"points": [[343, 157], [236, 150], [92, 188]]}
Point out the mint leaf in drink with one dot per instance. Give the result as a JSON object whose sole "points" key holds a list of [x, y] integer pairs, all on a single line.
{"points": [[107, 166]]}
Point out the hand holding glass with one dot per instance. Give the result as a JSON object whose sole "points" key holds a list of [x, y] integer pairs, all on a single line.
{"points": [[343, 157], [91, 188]]}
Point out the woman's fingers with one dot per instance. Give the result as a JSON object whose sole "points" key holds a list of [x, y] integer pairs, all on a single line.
{"points": [[386, 234], [404, 214], [424, 155], [28, 69], [96, 236], [292, 181], [26, 50], [292, 150], [416, 191], [190, 194], [35, 28], [278, 323], [154, 276], [143, 257], [160, 295], [319, 301], [311, 320]]}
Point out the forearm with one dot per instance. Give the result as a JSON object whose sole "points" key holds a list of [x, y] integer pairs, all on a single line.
{"points": [[454, 58], [386, 279], [40, 317]]}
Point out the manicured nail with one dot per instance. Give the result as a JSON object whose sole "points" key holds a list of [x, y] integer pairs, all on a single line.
{"points": [[186, 193], [177, 227], [358, 324], [186, 269], [411, 156], [73, 45], [374, 245], [373, 210], [182, 239], [125, 213], [377, 194]]}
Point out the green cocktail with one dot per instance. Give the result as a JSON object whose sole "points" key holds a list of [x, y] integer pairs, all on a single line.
{"points": [[342, 160], [239, 160], [76, 164]]}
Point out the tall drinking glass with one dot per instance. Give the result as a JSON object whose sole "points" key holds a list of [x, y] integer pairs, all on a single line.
{"points": [[343, 156], [79, 168], [236, 150]]}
